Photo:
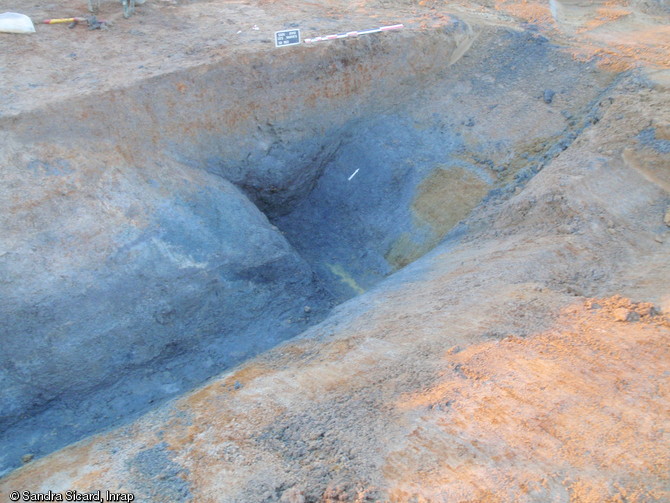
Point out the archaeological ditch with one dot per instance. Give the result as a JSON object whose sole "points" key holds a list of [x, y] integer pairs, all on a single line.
{"points": [[160, 233]]}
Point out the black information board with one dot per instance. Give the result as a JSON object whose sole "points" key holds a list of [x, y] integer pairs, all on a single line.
{"points": [[287, 37]]}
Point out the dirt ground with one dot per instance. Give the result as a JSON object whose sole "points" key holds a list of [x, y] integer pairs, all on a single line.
{"points": [[166, 35], [575, 413], [530, 364]]}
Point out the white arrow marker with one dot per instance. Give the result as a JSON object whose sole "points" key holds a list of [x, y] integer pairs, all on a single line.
{"points": [[353, 174]]}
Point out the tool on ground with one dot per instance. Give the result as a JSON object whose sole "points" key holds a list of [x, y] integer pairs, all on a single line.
{"points": [[65, 20], [354, 33], [92, 22]]}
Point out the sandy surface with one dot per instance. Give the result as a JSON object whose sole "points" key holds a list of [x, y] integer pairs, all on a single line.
{"points": [[574, 413], [166, 35], [529, 364]]}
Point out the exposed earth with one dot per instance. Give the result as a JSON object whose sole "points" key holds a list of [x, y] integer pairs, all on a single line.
{"points": [[424, 265]]}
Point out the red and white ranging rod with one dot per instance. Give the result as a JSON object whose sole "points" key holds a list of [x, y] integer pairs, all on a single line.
{"points": [[354, 33]]}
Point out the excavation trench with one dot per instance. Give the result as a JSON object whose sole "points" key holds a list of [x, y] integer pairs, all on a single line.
{"points": [[162, 233]]}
